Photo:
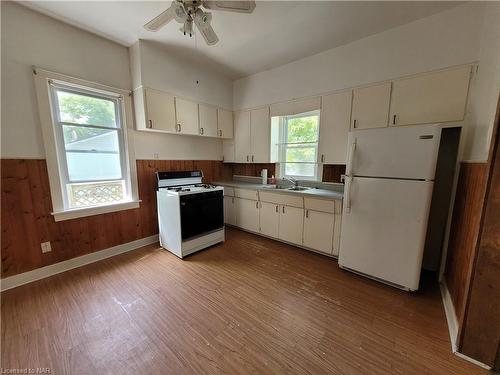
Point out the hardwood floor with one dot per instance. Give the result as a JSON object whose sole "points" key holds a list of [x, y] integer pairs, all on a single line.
{"points": [[251, 305]]}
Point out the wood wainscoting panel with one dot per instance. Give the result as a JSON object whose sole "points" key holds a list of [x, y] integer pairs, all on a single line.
{"points": [[480, 336], [464, 232], [27, 220], [253, 169], [333, 172]]}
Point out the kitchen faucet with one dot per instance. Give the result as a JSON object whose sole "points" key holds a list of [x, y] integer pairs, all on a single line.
{"points": [[292, 180]]}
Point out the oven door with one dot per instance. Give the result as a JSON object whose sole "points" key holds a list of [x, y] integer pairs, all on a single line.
{"points": [[201, 213]]}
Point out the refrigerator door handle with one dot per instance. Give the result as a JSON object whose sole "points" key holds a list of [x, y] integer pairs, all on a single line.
{"points": [[347, 195], [351, 158]]}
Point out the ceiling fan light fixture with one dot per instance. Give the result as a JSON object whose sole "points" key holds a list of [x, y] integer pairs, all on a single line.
{"points": [[187, 11], [180, 13]]}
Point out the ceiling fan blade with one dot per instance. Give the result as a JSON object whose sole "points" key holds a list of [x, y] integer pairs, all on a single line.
{"points": [[230, 6], [209, 35], [202, 21], [175, 11], [161, 20]]}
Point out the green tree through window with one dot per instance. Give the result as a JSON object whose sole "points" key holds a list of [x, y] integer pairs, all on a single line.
{"points": [[300, 143], [85, 110]]}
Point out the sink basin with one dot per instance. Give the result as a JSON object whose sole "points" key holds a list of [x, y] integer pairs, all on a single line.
{"points": [[298, 188]]}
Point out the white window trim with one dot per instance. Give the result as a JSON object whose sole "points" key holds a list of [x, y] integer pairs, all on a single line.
{"points": [[318, 171], [60, 212]]}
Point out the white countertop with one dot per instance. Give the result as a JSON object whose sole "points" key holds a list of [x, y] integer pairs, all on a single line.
{"points": [[313, 192]]}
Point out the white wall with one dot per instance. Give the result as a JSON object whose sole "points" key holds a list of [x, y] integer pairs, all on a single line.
{"points": [[448, 38], [177, 72], [29, 38], [485, 88]]}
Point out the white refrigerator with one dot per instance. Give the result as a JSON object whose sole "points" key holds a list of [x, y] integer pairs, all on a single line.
{"points": [[388, 189]]}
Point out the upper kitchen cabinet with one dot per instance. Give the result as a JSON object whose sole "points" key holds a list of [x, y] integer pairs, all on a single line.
{"points": [[370, 106], [334, 127], [154, 110], [252, 136], [186, 114], [260, 125], [432, 97], [224, 124], [242, 136], [208, 120]]}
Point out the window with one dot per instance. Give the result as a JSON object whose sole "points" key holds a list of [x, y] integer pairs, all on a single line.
{"points": [[87, 152], [299, 145]]}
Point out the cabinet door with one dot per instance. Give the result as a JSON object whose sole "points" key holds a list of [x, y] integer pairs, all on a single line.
{"points": [[208, 120], [334, 127], [160, 110], [247, 214], [228, 151], [370, 106], [318, 231], [229, 211], [224, 124], [269, 219], [261, 135], [242, 136], [337, 227], [186, 113], [291, 224], [432, 97]]}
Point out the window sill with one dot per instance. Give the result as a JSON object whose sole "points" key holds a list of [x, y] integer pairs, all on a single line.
{"points": [[96, 210]]}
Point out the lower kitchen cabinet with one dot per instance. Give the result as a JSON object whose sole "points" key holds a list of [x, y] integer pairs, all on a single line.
{"points": [[269, 219], [318, 231], [247, 214], [229, 210], [291, 224]]}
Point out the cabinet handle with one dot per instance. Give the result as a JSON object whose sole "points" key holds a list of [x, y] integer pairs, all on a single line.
{"points": [[355, 124], [150, 122], [220, 133], [252, 158], [394, 120], [179, 128], [307, 213], [283, 209], [233, 200], [322, 158], [201, 131], [276, 208], [256, 204], [247, 158]]}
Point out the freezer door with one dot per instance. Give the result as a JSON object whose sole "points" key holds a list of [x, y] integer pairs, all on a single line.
{"points": [[408, 152], [384, 225]]}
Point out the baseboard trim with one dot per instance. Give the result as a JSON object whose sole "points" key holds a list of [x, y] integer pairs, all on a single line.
{"points": [[452, 321], [451, 316], [66, 265]]}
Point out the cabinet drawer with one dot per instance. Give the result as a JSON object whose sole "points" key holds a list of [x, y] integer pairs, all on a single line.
{"points": [[321, 205], [228, 191], [283, 199], [246, 194]]}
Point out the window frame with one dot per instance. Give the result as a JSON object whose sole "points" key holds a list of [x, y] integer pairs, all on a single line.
{"points": [[284, 146], [46, 85]]}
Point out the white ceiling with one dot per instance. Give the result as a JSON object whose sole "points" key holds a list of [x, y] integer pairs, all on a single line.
{"points": [[276, 33]]}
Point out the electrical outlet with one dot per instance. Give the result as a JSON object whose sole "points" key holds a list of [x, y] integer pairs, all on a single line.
{"points": [[46, 247], [155, 155]]}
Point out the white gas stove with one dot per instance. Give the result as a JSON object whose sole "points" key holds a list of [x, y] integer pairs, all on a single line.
{"points": [[190, 213]]}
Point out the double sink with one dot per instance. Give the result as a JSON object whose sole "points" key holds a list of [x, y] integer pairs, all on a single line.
{"points": [[282, 187]]}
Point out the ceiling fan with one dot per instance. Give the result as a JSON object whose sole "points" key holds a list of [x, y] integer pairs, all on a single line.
{"points": [[189, 11]]}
